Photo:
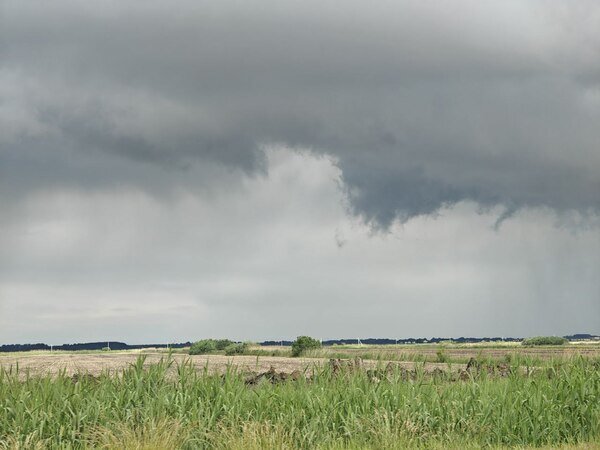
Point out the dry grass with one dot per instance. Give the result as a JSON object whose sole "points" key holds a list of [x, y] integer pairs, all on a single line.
{"points": [[153, 435]]}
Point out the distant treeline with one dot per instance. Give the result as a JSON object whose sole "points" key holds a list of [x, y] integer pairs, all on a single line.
{"points": [[435, 340], [386, 341], [87, 346], [371, 341]]}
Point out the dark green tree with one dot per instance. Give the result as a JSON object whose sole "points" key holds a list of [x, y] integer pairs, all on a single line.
{"points": [[304, 343]]}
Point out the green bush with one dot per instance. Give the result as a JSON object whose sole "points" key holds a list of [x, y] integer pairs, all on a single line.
{"points": [[304, 343], [237, 349], [441, 355], [203, 347], [222, 344], [213, 345], [544, 340]]}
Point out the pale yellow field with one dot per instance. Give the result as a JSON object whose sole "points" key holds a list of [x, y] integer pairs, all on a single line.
{"points": [[46, 363]]}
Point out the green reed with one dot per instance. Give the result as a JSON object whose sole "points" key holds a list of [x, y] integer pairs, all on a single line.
{"points": [[169, 405]]}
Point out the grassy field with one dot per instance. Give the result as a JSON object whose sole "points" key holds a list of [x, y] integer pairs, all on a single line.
{"points": [[512, 352], [172, 404], [461, 353]]}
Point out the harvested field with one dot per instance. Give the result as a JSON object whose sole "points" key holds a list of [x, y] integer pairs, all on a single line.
{"points": [[46, 363]]}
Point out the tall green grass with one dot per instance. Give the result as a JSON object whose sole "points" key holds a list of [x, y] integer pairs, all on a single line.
{"points": [[174, 406]]}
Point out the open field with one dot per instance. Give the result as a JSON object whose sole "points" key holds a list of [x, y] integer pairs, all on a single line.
{"points": [[156, 400], [452, 353], [461, 353], [46, 363]]}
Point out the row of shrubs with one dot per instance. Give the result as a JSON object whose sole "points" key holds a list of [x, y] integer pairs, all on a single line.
{"points": [[206, 346], [304, 344], [544, 340]]}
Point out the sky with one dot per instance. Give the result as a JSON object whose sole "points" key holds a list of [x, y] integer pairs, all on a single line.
{"points": [[263, 170]]}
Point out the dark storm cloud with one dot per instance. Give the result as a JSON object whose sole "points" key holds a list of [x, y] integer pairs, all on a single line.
{"points": [[422, 104]]}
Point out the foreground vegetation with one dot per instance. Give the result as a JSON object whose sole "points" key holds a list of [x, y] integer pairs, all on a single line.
{"points": [[175, 406]]}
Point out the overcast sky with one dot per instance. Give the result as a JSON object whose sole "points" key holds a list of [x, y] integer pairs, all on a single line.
{"points": [[265, 169]]}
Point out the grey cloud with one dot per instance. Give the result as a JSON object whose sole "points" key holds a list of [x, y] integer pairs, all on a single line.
{"points": [[422, 105], [282, 259]]}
